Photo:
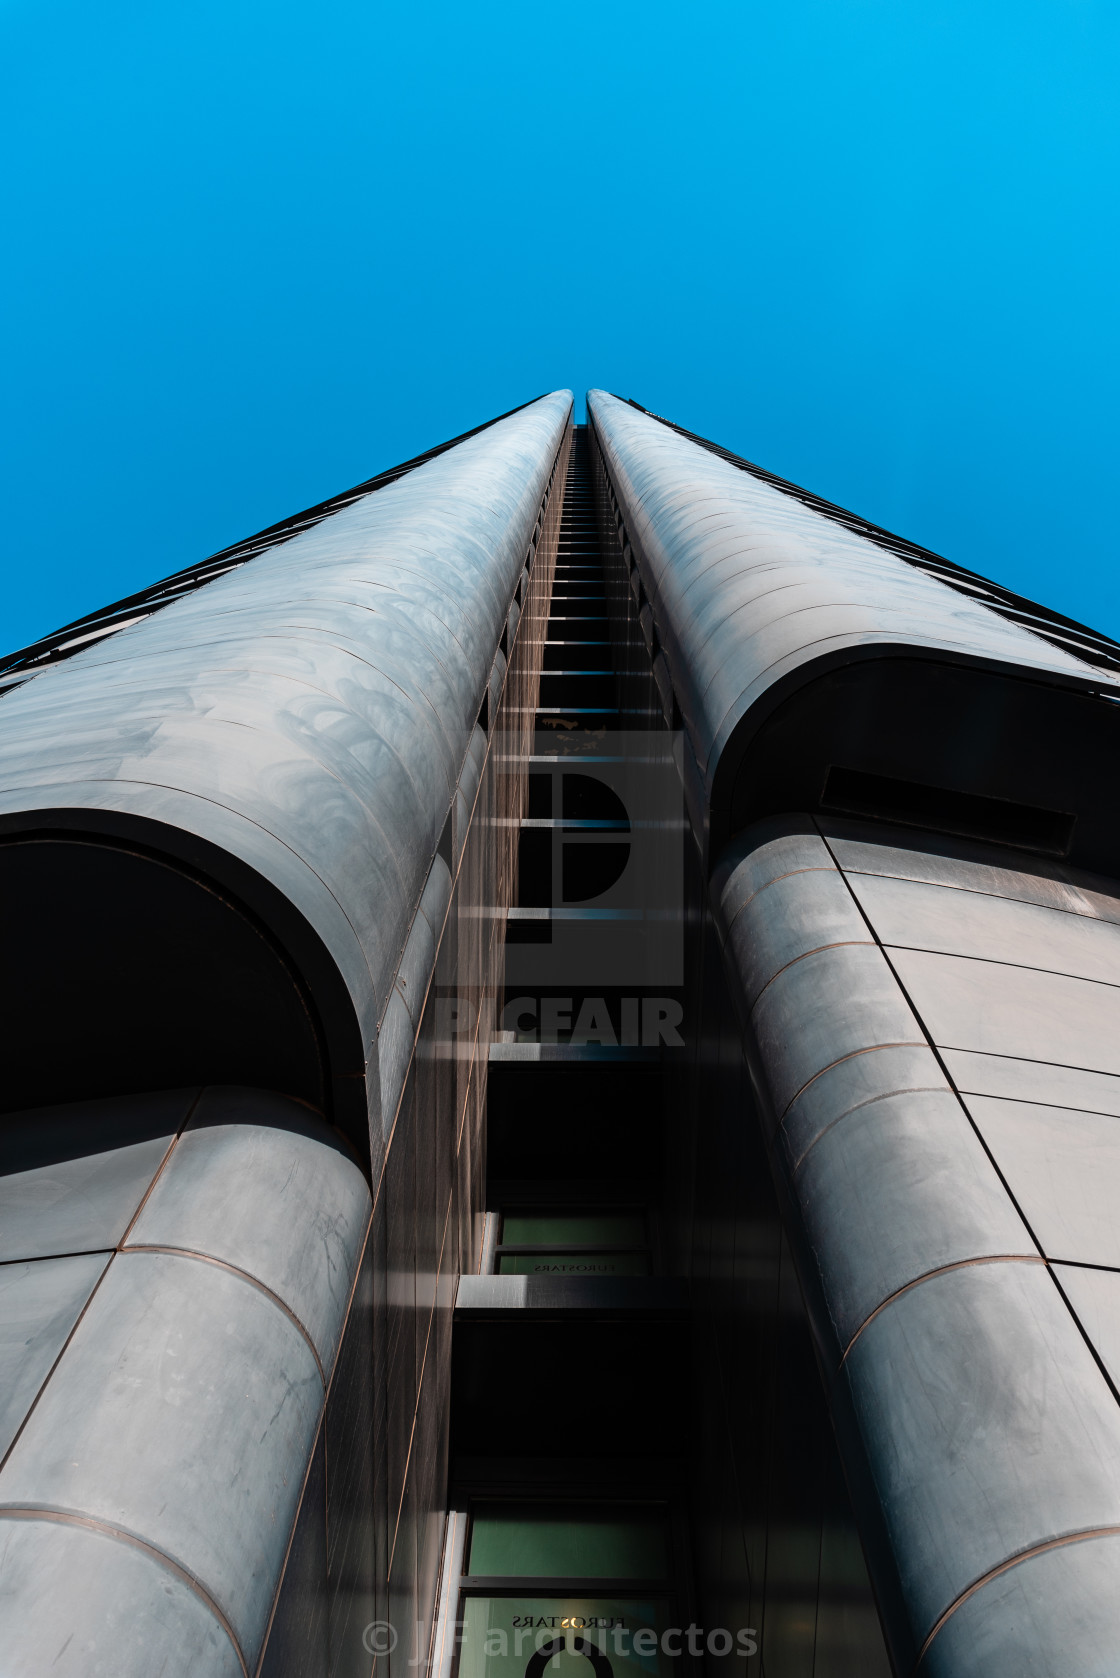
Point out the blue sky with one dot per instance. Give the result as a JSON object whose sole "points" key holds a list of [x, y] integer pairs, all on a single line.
{"points": [[254, 253]]}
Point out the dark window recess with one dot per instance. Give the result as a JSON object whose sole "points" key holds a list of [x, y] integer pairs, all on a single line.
{"points": [[589, 871], [853, 792], [586, 799], [574, 1241], [540, 796], [534, 868]]}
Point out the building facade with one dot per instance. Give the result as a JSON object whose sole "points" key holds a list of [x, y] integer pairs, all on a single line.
{"points": [[561, 1086]]}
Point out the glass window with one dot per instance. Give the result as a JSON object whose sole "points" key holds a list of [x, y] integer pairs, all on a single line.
{"points": [[571, 1637], [573, 1264], [568, 1541], [574, 1229]]}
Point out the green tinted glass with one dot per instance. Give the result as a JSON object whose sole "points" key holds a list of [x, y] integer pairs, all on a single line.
{"points": [[542, 1636], [590, 1229], [573, 1264], [568, 1541]]}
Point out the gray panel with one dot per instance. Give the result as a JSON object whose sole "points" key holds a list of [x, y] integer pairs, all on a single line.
{"points": [[1064, 1170], [1095, 1297], [828, 1005], [72, 1177], [756, 584], [1033, 1080], [1051, 1616], [969, 923], [262, 1183], [809, 910], [767, 851], [310, 711], [39, 1305], [849, 1084], [77, 1603], [968, 866], [1017, 1011], [895, 1190], [207, 1403], [988, 1426]]}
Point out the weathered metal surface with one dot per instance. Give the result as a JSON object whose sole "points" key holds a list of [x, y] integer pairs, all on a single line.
{"points": [[71, 1178], [956, 1238], [795, 645], [306, 716]]}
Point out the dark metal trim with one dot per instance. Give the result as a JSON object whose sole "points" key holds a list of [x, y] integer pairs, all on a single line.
{"points": [[482, 1584]]}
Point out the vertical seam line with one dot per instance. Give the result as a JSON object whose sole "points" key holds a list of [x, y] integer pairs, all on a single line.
{"points": [[49, 1376], [936, 1052]]}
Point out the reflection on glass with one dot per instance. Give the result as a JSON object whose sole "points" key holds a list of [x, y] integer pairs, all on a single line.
{"points": [[569, 1637]]}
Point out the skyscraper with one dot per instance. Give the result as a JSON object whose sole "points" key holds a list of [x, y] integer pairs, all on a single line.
{"points": [[560, 1096]]}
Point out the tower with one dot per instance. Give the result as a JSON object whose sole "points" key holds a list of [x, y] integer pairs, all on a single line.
{"points": [[560, 1092]]}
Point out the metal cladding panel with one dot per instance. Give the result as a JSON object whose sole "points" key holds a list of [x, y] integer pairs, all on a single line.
{"points": [[197, 1371], [819, 1010], [57, 1195], [261, 1184], [1063, 1168], [748, 584], [1024, 1012], [1094, 1296], [990, 928], [174, 1414], [1033, 1080], [987, 1423], [771, 851], [941, 1105], [973, 868], [309, 712], [852, 1082], [80, 1603], [39, 1304], [899, 1189], [793, 916], [1052, 1613]]}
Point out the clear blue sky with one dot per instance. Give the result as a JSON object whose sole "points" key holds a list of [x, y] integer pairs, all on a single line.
{"points": [[255, 252]]}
